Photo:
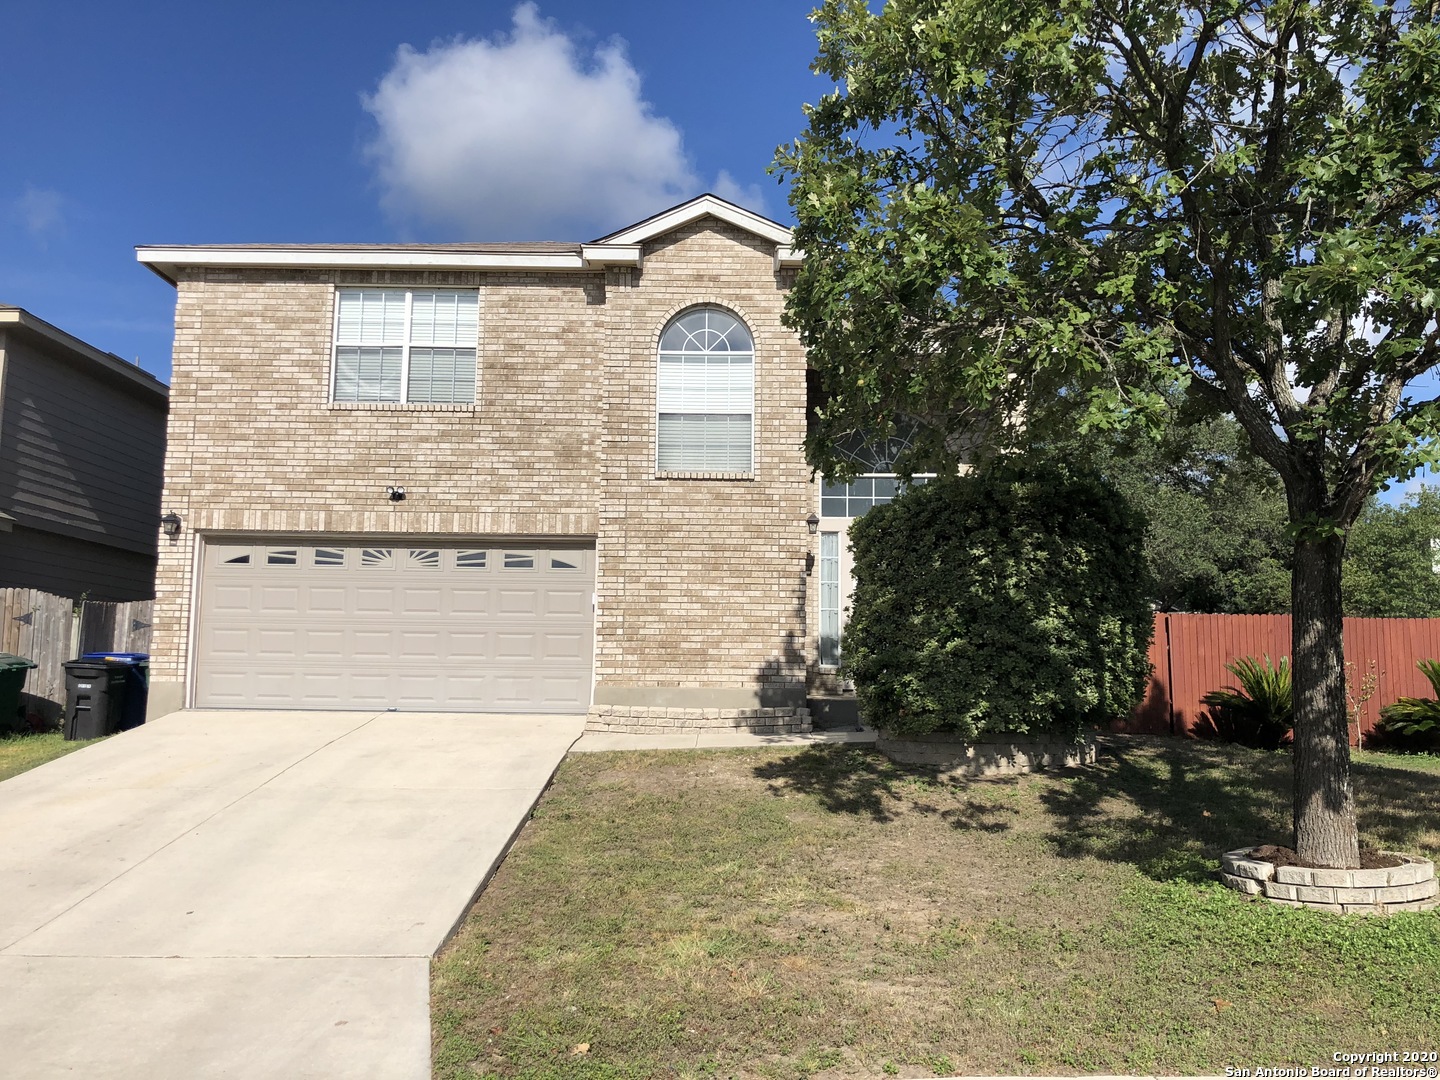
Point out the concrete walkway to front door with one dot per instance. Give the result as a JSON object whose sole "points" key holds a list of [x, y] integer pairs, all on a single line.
{"points": [[252, 894]]}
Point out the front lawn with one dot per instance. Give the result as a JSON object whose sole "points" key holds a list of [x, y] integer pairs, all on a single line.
{"points": [[782, 913], [19, 753]]}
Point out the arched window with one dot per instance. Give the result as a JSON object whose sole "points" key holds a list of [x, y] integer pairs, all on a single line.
{"points": [[705, 400]]}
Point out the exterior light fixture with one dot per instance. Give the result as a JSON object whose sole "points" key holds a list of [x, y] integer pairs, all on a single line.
{"points": [[170, 524], [395, 493], [813, 523]]}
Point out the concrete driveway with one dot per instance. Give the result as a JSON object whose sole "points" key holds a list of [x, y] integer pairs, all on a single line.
{"points": [[252, 894]]}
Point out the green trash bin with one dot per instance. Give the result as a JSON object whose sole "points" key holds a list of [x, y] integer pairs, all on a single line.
{"points": [[13, 670]]}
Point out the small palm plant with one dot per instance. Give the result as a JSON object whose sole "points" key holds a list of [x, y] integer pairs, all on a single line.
{"points": [[1412, 717], [1258, 713]]}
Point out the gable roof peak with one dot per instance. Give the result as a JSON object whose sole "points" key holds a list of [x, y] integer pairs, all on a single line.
{"points": [[706, 205]]}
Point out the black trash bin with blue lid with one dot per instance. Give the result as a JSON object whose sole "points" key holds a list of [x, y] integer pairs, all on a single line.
{"points": [[136, 667], [94, 698]]}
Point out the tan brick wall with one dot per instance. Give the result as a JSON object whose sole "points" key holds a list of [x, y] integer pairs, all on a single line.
{"points": [[700, 583]]}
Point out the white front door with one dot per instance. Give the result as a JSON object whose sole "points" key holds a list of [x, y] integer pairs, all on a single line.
{"points": [[840, 505]]}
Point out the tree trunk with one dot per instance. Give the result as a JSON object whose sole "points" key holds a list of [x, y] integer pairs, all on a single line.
{"points": [[1325, 830]]}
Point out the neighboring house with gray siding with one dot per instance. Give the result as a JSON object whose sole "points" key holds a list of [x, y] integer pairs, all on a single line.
{"points": [[82, 448], [513, 477]]}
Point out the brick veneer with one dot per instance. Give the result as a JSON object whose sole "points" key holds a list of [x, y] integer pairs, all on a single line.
{"points": [[701, 583]]}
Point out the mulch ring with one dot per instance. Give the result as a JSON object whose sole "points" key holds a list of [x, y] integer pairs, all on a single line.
{"points": [[1370, 859]]}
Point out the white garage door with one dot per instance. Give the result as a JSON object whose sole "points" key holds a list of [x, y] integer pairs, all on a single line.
{"points": [[480, 627]]}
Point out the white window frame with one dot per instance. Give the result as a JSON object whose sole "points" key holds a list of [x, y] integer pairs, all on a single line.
{"points": [[404, 399], [900, 487], [747, 473]]}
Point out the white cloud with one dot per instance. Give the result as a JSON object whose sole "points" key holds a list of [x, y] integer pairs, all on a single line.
{"points": [[527, 135], [747, 195], [41, 211]]}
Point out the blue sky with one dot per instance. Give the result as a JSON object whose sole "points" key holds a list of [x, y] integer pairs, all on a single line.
{"points": [[194, 123], [310, 121]]}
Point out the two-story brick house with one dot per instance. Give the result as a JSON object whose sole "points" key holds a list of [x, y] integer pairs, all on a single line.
{"points": [[492, 477]]}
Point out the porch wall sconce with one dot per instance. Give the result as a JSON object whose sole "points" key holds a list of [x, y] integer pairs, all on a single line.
{"points": [[813, 523], [170, 524], [395, 493]]}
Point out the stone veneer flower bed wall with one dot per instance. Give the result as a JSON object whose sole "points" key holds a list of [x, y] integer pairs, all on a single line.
{"points": [[1411, 886], [657, 720], [1000, 757]]}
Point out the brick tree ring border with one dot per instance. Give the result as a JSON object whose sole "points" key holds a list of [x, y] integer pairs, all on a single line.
{"points": [[1411, 886]]}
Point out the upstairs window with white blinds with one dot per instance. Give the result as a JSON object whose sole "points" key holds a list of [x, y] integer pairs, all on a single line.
{"points": [[405, 345], [706, 394]]}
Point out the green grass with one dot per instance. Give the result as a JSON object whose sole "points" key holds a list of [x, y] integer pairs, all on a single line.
{"points": [[1418, 762], [20, 753], [826, 913]]}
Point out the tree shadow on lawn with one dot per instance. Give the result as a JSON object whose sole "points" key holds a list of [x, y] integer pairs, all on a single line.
{"points": [[865, 783], [1171, 807], [1167, 807]]}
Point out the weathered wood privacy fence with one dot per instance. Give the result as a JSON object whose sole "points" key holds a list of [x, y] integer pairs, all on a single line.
{"points": [[51, 629], [1189, 654]]}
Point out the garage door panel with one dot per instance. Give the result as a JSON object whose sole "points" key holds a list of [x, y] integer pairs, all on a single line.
{"points": [[512, 645], [229, 644], [415, 601], [324, 646], [372, 646], [231, 599], [419, 691], [514, 692], [279, 598], [271, 644], [272, 687], [517, 602], [567, 601], [325, 600], [469, 600], [368, 688], [375, 601], [229, 687], [462, 648], [419, 646], [555, 691], [322, 689], [468, 627], [557, 646]]}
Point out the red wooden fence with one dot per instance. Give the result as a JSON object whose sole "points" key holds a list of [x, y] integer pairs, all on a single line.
{"points": [[1189, 654]]}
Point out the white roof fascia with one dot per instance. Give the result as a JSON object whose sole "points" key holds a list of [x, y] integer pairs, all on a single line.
{"points": [[787, 257], [704, 206], [167, 260], [610, 254]]}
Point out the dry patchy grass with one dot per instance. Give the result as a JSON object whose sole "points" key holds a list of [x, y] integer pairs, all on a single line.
{"points": [[826, 913]]}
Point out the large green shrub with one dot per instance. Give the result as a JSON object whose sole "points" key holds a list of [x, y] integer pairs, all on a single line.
{"points": [[1013, 601]]}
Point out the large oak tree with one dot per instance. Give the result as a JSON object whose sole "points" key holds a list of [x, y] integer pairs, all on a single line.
{"points": [[1021, 212]]}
